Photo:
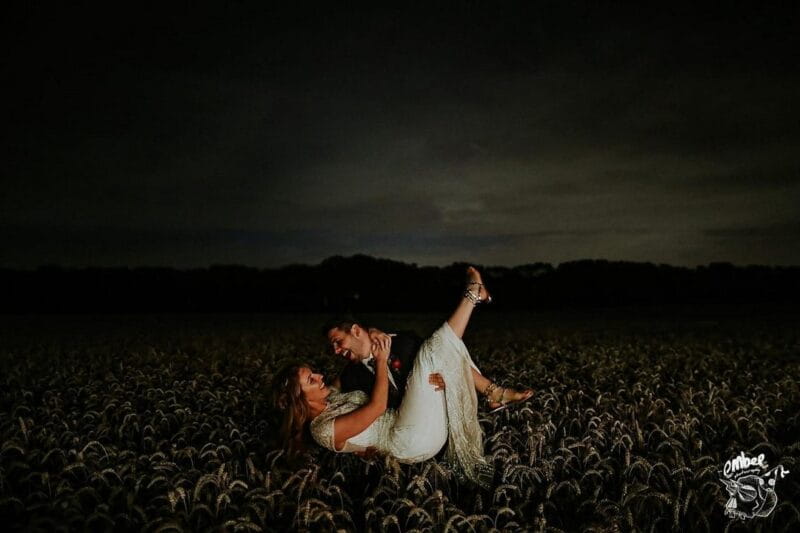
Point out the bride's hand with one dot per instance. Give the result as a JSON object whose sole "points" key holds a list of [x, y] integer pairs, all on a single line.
{"points": [[375, 334], [381, 348]]}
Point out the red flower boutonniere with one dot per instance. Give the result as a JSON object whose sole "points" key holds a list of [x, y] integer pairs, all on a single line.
{"points": [[396, 364]]}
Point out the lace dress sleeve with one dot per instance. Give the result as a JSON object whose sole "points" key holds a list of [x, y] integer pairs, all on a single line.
{"points": [[338, 404], [322, 430]]}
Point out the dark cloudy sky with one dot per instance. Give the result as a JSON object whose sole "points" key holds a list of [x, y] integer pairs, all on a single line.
{"points": [[491, 132]]}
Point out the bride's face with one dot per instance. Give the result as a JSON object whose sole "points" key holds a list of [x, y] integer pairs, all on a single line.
{"points": [[313, 385]]}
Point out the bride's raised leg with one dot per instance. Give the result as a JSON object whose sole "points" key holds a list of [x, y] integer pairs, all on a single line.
{"points": [[474, 294]]}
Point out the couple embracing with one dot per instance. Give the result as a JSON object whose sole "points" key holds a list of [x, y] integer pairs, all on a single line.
{"points": [[397, 396]]}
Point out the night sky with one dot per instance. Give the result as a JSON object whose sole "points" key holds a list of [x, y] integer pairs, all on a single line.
{"points": [[495, 133]]}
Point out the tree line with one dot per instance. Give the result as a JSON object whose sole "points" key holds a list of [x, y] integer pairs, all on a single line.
{"points": [[365, 284]]}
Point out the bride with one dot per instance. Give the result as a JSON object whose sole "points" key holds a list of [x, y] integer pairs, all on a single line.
{"points": [[428, 416]]}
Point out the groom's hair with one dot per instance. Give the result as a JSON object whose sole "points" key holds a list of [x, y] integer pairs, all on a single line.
{"points": [[342, 322]]}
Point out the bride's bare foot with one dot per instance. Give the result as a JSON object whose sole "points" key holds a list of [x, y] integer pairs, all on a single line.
{"points": [[498, 398], [476, 291]]}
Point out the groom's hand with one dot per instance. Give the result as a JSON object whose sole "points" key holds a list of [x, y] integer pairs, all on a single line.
{"points": [[437, 381]]}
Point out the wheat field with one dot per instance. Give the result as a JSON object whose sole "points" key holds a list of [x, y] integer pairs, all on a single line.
{"points": [[163, 423]]}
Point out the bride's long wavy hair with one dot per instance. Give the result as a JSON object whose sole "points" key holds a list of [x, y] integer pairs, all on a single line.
{"points": [[288, 397]]}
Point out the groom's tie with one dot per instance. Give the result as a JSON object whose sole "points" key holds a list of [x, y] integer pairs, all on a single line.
{"points": [[371, 365]]}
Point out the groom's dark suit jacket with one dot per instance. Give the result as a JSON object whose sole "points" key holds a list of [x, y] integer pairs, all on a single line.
{"points": [[355, 376]]}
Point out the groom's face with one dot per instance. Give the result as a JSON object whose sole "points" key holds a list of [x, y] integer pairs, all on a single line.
{"points": [[353, 344]]}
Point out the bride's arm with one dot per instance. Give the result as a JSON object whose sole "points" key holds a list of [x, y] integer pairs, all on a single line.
{"points": [[355, 422]]}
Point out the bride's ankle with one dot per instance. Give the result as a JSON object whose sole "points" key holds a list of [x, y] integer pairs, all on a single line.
{"points": [[476, 291], [493, 392]]}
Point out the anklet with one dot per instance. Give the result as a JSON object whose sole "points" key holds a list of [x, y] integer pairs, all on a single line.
{"points": [[490, 388], [469, 295], [472, 297]]}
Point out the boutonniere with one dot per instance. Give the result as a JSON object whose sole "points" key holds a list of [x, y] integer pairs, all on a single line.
{"points": [[395, 363]]}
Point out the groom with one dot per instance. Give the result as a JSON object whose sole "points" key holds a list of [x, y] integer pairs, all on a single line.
{"points": [[351, 340]]}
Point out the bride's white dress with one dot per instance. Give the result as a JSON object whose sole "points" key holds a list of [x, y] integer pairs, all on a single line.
{"points": [[426, 417]]}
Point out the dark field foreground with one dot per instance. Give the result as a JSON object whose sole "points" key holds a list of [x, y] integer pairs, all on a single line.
{"points": [[153, 423]]}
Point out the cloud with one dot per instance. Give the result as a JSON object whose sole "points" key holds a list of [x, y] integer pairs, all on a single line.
{"points": [[564, 132]]}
